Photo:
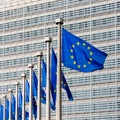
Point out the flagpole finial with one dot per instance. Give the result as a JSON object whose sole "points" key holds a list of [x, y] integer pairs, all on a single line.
{"points": [[39, 54], [4, 96], [10, 90], [23, 75], [59, 21], [31, 66], [17, 83], [48, 39]]}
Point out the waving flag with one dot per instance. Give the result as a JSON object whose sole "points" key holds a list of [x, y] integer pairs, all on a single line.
{"points": [[7, 109], [79, 55], [1, 112], [13, 107], [54, 79]]}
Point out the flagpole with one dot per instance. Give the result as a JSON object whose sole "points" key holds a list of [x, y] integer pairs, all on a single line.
{"points": [[39, 55], [23, 105], [48, 41], [31, 89], [4, 113], [59, 22], [17, 84], [10, 104]]}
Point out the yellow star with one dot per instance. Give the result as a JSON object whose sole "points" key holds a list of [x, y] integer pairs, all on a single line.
{"points": [[91, 53], [78, 66], [84, 66], [91, 59], [64, 84], [78, 43], [73, 46], [71, 50], [54, 90], [74, 62], [84, 44], [61, 82], [72, 57], [89, 48], [89, 62]]}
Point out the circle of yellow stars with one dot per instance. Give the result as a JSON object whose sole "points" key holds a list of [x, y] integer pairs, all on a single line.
{"points": [[72, 56]]}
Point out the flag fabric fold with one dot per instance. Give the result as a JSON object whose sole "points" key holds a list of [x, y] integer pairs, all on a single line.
{"points": [[7, 109], [27, 91], [44, 74], [43, 94], [43, 100], [20, 107], [79, 55], [54, 79], [34, 108], [13, 107], [34, 104], [1, 112], [35, 84]]}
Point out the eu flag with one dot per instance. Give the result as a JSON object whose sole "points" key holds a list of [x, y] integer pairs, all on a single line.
{"points": [[43, 99], [7, 109], [35, 84], [79, 55], [1, 112], [27, 115], [34, 108], [35, 88], [27, 91], [43, 94], [20, 107], [13, 107], [54, 79], [20, 104], [44, 69]]}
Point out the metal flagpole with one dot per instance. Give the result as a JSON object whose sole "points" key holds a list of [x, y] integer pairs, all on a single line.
{"points": [[10, 104], [4, 113], [23, 105], [31, 89], [39, 55], [59, 22], [17, 84], [48, 41]]}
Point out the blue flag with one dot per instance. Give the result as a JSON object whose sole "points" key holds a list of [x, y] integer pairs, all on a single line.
{"points": [[27, 91], [34, 93], [79, 55], [27, 115], [44, 69], [43, 99], [20, 107], [43, 94], [7, 109], [35, 84], [44, 73], [34, 108], [54, 79], [1, 112], [13, 107], [20, 104]]}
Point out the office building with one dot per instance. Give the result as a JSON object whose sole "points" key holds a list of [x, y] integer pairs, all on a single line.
{"points": [[24, 24]]}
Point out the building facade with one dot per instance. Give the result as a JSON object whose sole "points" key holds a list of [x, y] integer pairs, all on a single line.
{"points": [[23, 28]]}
